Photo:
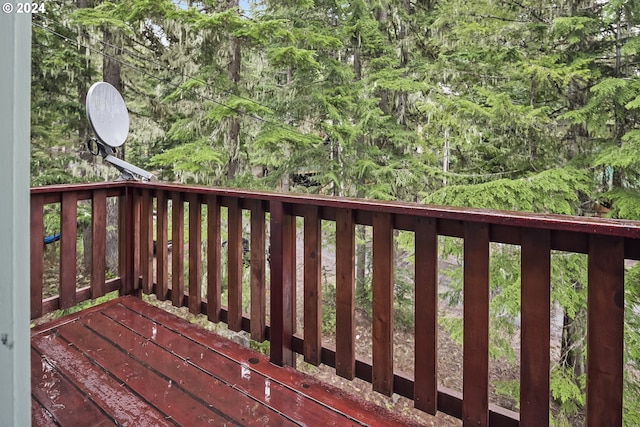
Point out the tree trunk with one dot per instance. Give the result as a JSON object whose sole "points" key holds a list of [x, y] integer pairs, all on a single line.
{"points": [[572, 352], [381, 13], [234, 139], [83, 83], [111, 75], [577, 132], [111, 70], [233, 72], [357, 57], [110, 67], [382, 17], [403, 96]]}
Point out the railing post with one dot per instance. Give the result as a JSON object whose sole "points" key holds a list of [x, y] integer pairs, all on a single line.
{"points": [[37, 253], [213, 259], [282, 294], [98, 242], [123, 223], [177, 249], [475, 381], [345, 294], [162, 252], [195, 254], [425, 387], [536, 327], [68, 231], [382, 290], [258, 285], [312, 285], [605, 331], [146, 241], [129, 241], [234, 265]]}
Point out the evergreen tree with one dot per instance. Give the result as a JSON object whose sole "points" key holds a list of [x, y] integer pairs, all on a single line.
{"points": [[528, 105]]}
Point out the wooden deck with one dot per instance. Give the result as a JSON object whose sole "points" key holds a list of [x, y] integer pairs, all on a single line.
{"points": [[126, 362]]}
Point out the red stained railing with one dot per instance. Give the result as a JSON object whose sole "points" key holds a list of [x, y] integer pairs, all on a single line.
{"points": [[608, 243], [68, 197]]}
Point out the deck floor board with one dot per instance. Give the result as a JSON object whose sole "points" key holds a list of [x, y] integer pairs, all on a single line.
{"points": [[59, 396], [129, 363]]}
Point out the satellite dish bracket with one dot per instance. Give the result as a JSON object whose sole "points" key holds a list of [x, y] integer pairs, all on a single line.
{"points": [[128, 172]]}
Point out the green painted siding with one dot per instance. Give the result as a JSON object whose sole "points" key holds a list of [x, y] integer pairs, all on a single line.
{"points": [[15, 80]]}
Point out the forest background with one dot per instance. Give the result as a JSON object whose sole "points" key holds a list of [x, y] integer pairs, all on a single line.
{"points": [[514, 104]]}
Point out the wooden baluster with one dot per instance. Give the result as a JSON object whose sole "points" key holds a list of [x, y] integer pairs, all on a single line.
{"points": [[258, 285], [177, 249], [289, 282], [98, 242], [605, 331], [234, 264], [37, 254], [69, 225], [195, 254], [129, 238], [282, 315], [162, 251], [475, 387], [382, 288], [146, 241], [312, 285], [290, 248], [536, 327], [345, 294], [136, 238], [426, 315], [213, 259], [124, 246]]}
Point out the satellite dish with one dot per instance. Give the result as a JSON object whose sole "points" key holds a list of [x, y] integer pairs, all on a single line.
{"points": [[107, 114], [109, 119]]}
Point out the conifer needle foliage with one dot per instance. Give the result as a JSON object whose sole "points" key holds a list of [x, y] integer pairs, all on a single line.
{"points": [[527, 105]]}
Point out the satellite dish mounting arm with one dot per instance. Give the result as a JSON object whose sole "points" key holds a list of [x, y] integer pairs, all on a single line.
{"points": [[128, 172]]}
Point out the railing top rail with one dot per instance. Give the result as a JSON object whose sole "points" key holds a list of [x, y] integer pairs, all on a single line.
{"points": [[64, 188], [613, 227]]}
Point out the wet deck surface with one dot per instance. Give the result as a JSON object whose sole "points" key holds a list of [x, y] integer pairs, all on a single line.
{"points": [[129, 363]]}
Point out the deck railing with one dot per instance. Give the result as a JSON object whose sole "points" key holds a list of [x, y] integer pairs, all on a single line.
{"points": [[606, 242]]}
